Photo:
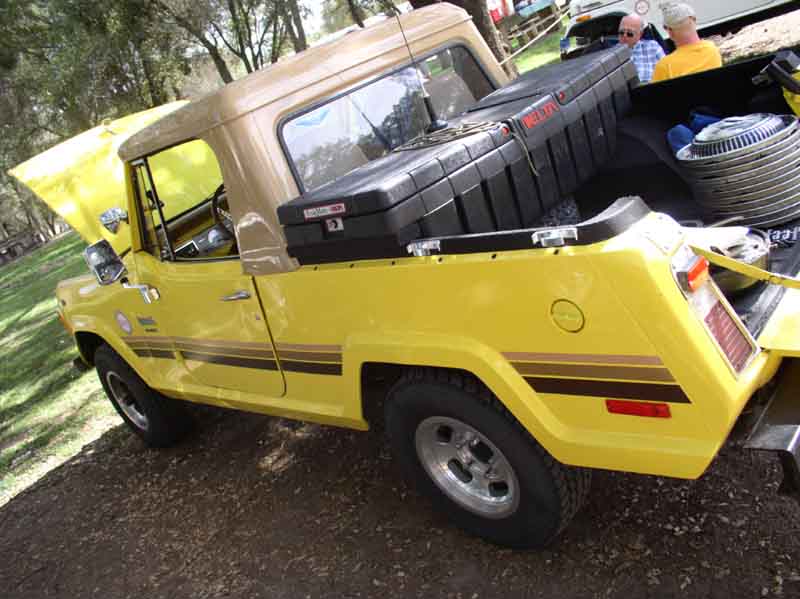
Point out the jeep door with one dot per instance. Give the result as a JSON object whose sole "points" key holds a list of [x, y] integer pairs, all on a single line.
{"points": [[202, 307]]}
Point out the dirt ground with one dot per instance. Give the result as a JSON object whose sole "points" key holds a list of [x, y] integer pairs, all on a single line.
{"points": [[252, 506]]}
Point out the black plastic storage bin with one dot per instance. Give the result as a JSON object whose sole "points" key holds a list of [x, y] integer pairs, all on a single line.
{"points": [[560, 119]]}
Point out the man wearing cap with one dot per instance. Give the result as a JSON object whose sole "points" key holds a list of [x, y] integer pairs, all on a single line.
{"points": [[692, 54], [645, 53]]}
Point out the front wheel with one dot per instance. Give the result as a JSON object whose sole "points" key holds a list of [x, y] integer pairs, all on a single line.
{"points": [[158, 420], [463, 449]]}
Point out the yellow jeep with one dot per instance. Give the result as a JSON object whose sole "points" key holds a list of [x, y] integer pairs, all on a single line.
{"points": [[380, 211]]}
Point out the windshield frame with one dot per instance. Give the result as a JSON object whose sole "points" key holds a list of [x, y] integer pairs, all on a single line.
{"points": [[360, 85]]}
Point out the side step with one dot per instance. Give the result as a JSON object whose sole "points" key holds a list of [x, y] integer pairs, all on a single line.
{"points": [[778, 428]]}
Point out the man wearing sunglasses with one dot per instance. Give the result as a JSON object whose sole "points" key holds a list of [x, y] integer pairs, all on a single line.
{"points": [[692, 54], [645, 53]]}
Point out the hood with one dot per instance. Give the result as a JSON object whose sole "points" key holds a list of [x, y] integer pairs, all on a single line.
{"points": [[82, 177]]}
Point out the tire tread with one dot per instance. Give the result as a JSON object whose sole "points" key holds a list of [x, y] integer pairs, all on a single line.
{"points": [[572, 483]]}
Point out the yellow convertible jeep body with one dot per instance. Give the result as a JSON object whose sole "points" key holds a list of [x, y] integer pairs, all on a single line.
{"points": [[277, 245]]}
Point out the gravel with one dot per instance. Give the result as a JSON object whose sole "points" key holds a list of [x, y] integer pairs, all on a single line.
{"points": [[761, 38]]}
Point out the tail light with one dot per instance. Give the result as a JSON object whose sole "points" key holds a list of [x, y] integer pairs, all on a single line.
{"points": [[713, 310], [694, 276]]}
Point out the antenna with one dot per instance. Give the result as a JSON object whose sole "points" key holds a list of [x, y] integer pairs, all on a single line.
{"points": [[436, 124]]}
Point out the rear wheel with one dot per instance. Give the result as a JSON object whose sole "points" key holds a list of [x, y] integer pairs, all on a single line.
{"points": [[464, 450], [158, 420]]}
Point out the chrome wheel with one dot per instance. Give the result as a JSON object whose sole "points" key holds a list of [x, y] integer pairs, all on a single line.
{"points": [[467, 467], [123, 397]]}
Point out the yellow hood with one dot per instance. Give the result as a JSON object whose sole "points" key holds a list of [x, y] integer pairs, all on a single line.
{"points": [[83, 176]]}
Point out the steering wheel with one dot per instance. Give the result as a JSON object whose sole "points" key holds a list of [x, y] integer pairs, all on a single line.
{"points": [[221, 215]]}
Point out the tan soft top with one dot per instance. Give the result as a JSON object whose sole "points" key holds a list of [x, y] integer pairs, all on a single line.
{"points": [[289, 76]]}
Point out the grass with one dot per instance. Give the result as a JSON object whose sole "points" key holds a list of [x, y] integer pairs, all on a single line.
{"points": [[47, 410], [543, 52]]}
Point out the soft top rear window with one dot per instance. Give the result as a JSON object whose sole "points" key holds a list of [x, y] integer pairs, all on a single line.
{"points": [[371, 121]]}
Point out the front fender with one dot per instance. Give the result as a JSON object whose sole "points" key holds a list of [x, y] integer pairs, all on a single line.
{"points": [[94, 326]]}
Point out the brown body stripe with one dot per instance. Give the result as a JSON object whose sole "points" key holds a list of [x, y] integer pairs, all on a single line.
{"points": [[310, 359], [611, 389], [584, 358], [305, 347], [625, 373], [230, 360], [222, 343], [311, 367], [310, 356], [227, 351], [154, 353], [145, 344]]}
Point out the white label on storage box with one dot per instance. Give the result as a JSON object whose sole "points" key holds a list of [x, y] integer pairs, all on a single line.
{"points": [[334, 224], [321, 211]]}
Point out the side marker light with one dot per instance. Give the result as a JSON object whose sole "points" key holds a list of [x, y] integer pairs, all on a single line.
{"points": [[638, 408]]}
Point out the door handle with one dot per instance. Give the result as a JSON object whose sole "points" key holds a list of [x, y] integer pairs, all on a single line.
{"points": [[235, 297], [149, 294]]}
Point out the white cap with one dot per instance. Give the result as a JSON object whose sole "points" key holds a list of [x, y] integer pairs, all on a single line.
{"points": [[676, 13]]}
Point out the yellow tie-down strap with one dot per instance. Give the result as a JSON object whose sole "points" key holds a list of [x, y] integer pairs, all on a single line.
{"points": [[746, 269]]}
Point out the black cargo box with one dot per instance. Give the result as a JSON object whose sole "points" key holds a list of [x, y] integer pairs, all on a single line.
{"points": [[501, 166]]}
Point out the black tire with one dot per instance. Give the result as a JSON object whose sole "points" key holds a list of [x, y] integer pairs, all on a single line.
{"points": [[158, 420], [550, 493]]}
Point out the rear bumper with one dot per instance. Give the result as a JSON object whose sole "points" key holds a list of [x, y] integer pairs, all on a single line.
{"points": [[778, 427]]}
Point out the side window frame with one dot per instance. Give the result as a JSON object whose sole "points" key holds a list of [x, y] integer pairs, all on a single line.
{"points": [[143, 178], [147, 202]]}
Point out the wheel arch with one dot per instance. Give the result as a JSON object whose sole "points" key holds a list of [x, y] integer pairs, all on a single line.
{"points": [[391, 354], [88, 343]]}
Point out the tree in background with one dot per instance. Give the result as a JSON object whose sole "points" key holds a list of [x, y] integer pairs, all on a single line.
{"points": [[293, 14], [479, 11], [252, 31], [66, 66], [338, 14]]}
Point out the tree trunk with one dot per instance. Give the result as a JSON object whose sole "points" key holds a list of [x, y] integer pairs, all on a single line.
{"points": [[293, 37], [355, 12], [278, 37], [200, 36], [219, 62], [26, 204], [479, 11], [297, 21], [388, 7], [157, 93]]}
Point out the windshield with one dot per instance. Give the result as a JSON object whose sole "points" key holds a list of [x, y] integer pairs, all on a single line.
{"points": [[367, 123]]}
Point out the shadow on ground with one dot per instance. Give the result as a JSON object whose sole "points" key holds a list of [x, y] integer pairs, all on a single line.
{"points": [[253, 506]]}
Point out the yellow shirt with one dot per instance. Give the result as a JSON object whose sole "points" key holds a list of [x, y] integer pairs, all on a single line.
{"points": [[686, 60]]}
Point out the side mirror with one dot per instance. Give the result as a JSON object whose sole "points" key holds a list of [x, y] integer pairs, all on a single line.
{"points": [[112, 217], [103, 261]]}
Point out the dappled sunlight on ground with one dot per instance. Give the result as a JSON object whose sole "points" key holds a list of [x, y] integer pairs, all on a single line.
{"points": [[251, 506], [47, 410]]}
